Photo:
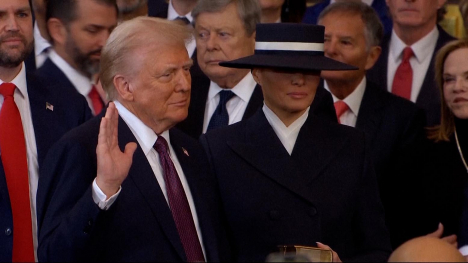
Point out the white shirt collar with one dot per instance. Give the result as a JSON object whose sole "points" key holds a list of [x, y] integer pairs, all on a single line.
{"points": [[40, 43], [82, 83], [243, 89], [422, 49], [145, 136], [287, 135], [354, 99], [20, 81], [368, 2], [172, 13]]}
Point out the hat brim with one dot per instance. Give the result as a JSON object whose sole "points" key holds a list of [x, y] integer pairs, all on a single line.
{"points": [[302, 63]]}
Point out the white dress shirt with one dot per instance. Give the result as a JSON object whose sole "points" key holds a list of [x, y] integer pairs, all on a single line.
{"points": [[420, 62], [146, 138], [171, 15], [82, 83], [236, 106], [287, 135], [353, 101], [22, 102], [41, 47]]}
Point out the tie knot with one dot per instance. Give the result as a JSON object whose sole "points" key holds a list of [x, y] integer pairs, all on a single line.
{"points": [[7, 89], [225, 96], [161, 145], [407, 53], [182, 19], [340, 108]]}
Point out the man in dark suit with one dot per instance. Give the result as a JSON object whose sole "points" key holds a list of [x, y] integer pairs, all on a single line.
{"points": [[415, 27], [237, 39], [303, 180], [79, 30], [392, 124], [41, 116], [163, 206]]}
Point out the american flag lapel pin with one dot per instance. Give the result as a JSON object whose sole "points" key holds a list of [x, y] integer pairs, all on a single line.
{"points": [[49, 106], [185, 151]]}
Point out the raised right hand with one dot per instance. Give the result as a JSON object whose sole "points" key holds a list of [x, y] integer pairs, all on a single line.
{"points": [[112, 164]]}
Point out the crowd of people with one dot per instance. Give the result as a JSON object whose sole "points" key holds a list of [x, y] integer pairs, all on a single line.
{"points": [[220, 130]]}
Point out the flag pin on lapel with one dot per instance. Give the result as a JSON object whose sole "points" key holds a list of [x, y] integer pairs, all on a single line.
{"points": [[49, 106], [185, 151]]}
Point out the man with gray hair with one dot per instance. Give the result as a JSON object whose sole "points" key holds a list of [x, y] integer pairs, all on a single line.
{"points": [[224, 30], [94, 203], [392, 124]]}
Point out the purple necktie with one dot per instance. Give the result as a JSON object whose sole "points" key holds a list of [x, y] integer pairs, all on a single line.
{"points": [[179, 205]]}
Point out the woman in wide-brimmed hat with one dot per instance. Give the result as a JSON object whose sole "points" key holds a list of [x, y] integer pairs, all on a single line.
{"points": [[286, 176]]}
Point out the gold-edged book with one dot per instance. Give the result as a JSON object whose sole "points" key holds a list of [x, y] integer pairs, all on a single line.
{"points": [[314, 254]]}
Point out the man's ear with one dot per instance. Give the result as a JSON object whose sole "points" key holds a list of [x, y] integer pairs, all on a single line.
{"points": [[57, 31], [255, 74], [373, 56], [123, 87]]}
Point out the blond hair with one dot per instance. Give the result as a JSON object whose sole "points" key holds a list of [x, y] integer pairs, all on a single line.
{"points": [[140, 33], [446, 128]]}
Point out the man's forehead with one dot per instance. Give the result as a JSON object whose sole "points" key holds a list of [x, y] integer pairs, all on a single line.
{"points": [[15, 5]]}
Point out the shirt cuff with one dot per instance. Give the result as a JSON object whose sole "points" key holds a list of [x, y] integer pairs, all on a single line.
{"points": [[464, 250], [100, 198]]}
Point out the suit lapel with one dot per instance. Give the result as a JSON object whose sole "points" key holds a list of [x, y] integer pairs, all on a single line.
{"points": [[265, 152], [143, 177], [43, 119], [370, 111], [197, 106]]}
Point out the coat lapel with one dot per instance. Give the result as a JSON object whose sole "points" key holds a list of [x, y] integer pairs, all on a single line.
{"points": [[143, 177], [255, 102], [265, 152]]}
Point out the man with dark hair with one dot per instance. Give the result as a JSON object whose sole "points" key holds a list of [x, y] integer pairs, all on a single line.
{"points": [[78, 31], [32, 117], [406, 64]]}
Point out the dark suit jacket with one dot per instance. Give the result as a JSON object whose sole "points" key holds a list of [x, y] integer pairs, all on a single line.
{"points": [[49, 126], [325, 191], [393, 126], [54, 74], [157, 8], [429, 97], [193, 124], [139, 225], [312, 13]]}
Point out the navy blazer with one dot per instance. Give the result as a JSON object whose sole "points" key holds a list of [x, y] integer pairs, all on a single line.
{"points": [[312, 13], [429, 97], [139, 225], [157, 8], [54, 74], [193, 124], [49, 126], [326, 191]]}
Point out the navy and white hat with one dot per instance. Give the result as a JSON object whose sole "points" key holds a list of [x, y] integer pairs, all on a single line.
{"points": [[288, 46]]}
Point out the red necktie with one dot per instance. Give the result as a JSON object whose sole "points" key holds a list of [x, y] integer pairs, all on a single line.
{"points": [[96, 100], [179, 204], [15, 165], [340, 107], [403, 79]]}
